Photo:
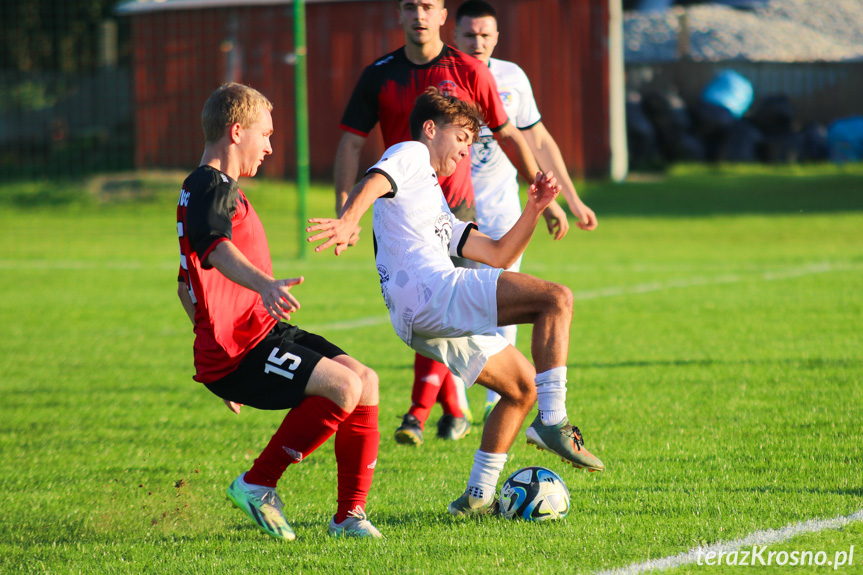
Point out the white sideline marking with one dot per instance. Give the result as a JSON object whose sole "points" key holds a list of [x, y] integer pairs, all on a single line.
{"points": [[810, 269], [815, 268], [614, 291], [766, 537]]}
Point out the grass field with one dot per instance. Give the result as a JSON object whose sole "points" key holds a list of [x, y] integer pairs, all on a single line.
{"points": [[716, 367]]}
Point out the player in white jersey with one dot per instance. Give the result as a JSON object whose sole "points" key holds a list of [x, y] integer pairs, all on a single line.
{"points": [[416, 234], [493, 175], [450, 314]]}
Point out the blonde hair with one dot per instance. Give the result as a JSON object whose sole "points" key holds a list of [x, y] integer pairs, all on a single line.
{"points": [[231, 104]]}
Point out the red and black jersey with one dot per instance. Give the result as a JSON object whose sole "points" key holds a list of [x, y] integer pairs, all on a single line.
{"points": [[229, 319], [386, 92]]}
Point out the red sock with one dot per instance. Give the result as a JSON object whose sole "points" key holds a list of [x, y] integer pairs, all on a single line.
{"points": [[428, 377], [448, 396], [357, 443], [304, 429]]}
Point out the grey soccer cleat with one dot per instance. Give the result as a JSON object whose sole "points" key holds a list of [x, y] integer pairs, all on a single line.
{"points": [[452, 428], [356, 524], [564, 440], [468, 505]]}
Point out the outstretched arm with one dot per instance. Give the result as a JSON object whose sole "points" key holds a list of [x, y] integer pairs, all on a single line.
{"points": [[275, 294], [549, 157], [339, 231], [502, 253], [347, 165]]}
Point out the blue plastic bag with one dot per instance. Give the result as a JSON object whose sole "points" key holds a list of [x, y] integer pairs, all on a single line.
{"points": [[730, 90], [845, 139]]}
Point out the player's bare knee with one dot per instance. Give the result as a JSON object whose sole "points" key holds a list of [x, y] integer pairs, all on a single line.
{"points": [[351, 391], [562, 299], [528, 390], [369, 381], [521, 393], [337, 383], [369, 378]]}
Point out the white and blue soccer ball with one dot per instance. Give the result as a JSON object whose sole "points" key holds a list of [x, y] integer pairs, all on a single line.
{"points": [[534, 494]]}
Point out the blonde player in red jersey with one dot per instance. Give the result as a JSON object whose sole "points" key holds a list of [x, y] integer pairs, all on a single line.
{"points": [[244, 352]]}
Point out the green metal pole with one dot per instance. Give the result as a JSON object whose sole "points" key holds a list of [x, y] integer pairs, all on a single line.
{"points": [[302, 113]]}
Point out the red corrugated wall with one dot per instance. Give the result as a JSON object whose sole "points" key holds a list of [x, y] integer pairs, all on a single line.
{"points": [[182, 55]]}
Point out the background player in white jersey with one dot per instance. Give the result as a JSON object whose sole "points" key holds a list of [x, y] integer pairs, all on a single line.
{"points": [[450, 314], [493, 175]]}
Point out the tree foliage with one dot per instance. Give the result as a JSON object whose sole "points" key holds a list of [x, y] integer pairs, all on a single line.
{"points": [[51, 35]]}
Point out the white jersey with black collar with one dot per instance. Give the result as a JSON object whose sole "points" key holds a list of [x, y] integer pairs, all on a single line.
{"points": [[415, 234], [493, 175]]}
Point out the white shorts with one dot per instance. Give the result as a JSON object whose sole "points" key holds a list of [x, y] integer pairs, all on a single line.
{"points": [[464, 356], [458, 327], [462, 302]]}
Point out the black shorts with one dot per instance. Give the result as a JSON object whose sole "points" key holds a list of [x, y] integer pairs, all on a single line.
{"points": [[274, 374]]}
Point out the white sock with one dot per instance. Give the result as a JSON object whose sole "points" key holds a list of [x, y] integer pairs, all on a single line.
{"points": [[482, 483], [551, 395], [491, 396]]}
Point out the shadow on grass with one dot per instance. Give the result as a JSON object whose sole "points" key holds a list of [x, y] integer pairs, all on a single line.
{"points": [[85, 191], [707, 194], [46, 194]]}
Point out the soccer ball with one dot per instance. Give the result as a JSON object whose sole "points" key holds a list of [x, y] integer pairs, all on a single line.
{"points": [[534, 494]]}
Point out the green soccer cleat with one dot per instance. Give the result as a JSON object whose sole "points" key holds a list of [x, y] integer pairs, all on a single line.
{"points": [[263, 505], [356, 524], [564, 440], [452, 428], [469, 506], [410, 432]]}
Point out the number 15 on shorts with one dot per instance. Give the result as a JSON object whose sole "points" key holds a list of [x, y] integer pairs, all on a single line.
{"points": [[280, 360]]}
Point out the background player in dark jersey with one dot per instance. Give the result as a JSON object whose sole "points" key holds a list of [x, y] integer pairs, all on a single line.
{"points": [[243, 352], [385, 94]]}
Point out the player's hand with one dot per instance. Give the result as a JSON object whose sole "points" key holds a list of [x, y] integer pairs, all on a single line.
{"points": [[586, 217], [335, 232], [543, 190], [555, 221], [340, 207], [278, 300], [355, 237], [235, 407]]}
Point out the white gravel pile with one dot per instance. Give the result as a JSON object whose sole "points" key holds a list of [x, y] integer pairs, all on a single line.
{"points": [[782, 31]]}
